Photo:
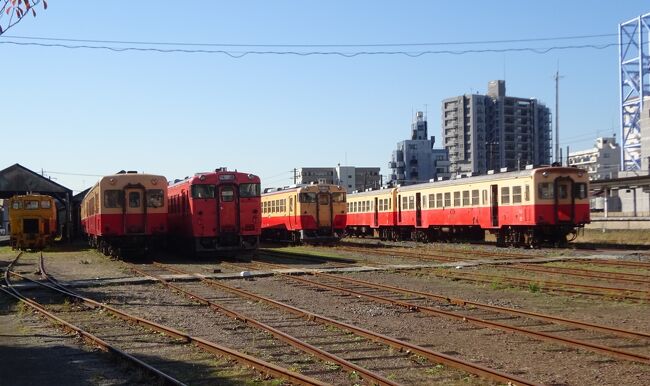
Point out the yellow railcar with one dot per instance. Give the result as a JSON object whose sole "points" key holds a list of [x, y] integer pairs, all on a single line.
{"points": [[32, 219]]}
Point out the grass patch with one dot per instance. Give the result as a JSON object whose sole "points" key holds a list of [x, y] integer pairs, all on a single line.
{"points": [[534, 287]]}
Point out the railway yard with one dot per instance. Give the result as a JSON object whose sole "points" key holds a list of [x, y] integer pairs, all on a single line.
{"points": [[358, 312]]}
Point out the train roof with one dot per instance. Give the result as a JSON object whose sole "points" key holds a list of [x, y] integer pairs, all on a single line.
{"points": [[298, 187], [212, 177]]}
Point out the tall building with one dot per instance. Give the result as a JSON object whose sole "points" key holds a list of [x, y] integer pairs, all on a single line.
{"points": [[634, 75], [416, 160], [493, 131], [350, 177], [602, 162]]}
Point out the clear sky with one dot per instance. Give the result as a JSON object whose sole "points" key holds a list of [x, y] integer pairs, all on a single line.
{"points": [[95, 112]]}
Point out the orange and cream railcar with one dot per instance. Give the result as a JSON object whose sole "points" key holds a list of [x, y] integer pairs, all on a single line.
{"points": [[32, 218], [125, 212], [525, 207], [304, 213]]}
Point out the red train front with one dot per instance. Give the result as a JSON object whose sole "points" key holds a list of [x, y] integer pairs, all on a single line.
{"points": [[125, 212], [214, 211]]}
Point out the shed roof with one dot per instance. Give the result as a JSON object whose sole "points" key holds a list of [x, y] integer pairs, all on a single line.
{"points": [[17, 179]]}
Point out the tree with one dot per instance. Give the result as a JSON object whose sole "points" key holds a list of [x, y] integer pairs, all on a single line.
{"points": [[13, 11]]}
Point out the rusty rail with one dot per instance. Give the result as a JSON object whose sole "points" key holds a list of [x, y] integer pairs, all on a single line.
{"points": [[396, 343], [630, 278], [297, 343]]}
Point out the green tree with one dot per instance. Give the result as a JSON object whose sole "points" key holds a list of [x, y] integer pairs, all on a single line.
{"points": [[13, 11]]}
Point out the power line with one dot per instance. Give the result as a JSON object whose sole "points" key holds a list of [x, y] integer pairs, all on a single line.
{"points": [[72, 174], [312, 45], [241, 54]]}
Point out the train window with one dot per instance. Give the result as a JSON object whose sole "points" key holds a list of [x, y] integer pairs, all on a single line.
{"points": [[527, 193], [227, 193], [562, 190], [411, 202], [17, 205], [475, 197], [439, 200], [249, 190], [580, 191], [308, 197], [432, 201], [203, 191], [113, 198], [45, 204], [155, 198], [484, 196], [447, 199], [389, 204], [456, 198], [405, 203], [30, 204], [466, 198], [505, 195], [545, 190], [338, 197], [516, 194], [134, 199]]}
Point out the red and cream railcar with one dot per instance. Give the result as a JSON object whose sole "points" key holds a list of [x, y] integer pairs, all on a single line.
{"points": [[217, 210], [125, 212], [525, 207], [304, 213], [373, 212]]}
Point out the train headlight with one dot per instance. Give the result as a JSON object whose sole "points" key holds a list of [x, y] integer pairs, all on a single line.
{"points": [[202, 178], [111, 181], [580, 173], [545, 174], [154, 181]]}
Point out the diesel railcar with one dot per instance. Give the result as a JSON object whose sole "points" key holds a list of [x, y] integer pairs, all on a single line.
{"points": [[216, 211], [125, 213], [522, 208], [32, 218], [304, 213]]}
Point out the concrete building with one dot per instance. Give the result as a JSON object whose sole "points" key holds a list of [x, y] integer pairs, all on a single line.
{"points": [[350, 177], [416, 160], [602, 162], [493, 131]]}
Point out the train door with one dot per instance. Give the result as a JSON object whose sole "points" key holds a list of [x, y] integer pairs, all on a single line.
{"points": [[564, 199], [375, 218], [418, 209], [292, 213], [135, 210], [324, 210], [494, 207], [227, 209]]}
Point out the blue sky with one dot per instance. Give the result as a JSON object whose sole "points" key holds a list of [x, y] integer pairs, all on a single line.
{"points": [[80, 111]]}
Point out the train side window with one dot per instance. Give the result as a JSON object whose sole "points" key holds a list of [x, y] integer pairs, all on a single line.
{"points": [[516, 194], [439, 200], [465, 197], [432, 201], [475, 197], [447, 199], [405, 203], [113, 198], [527, 193], [411, 202], [580, 191], [155, 198], [227, 193], [505, 195], [484, 196], [389, 204], [545, 190], [456, 199]]}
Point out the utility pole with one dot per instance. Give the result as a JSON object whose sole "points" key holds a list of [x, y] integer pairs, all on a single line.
{"points": [[295, 176], [557, 114]]}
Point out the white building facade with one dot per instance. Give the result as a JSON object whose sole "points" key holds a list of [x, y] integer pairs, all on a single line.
{"points": [[602, 162]]}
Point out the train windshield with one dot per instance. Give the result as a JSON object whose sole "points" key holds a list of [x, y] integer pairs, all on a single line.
{"points": [[113, 198], [154, 198], [249, 190], [308, 197], [31, 204], [338, 197], [580, 191], [203, 191], [45, 204], [17, 205]]}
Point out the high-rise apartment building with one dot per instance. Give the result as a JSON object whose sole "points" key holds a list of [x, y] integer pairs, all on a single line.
{"points": [[416, 160], [493, 131], [350, 177]]}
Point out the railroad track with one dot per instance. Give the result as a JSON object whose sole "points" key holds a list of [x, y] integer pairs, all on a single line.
{"points": [[368, 290], [137, 333], [385, 341]]}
